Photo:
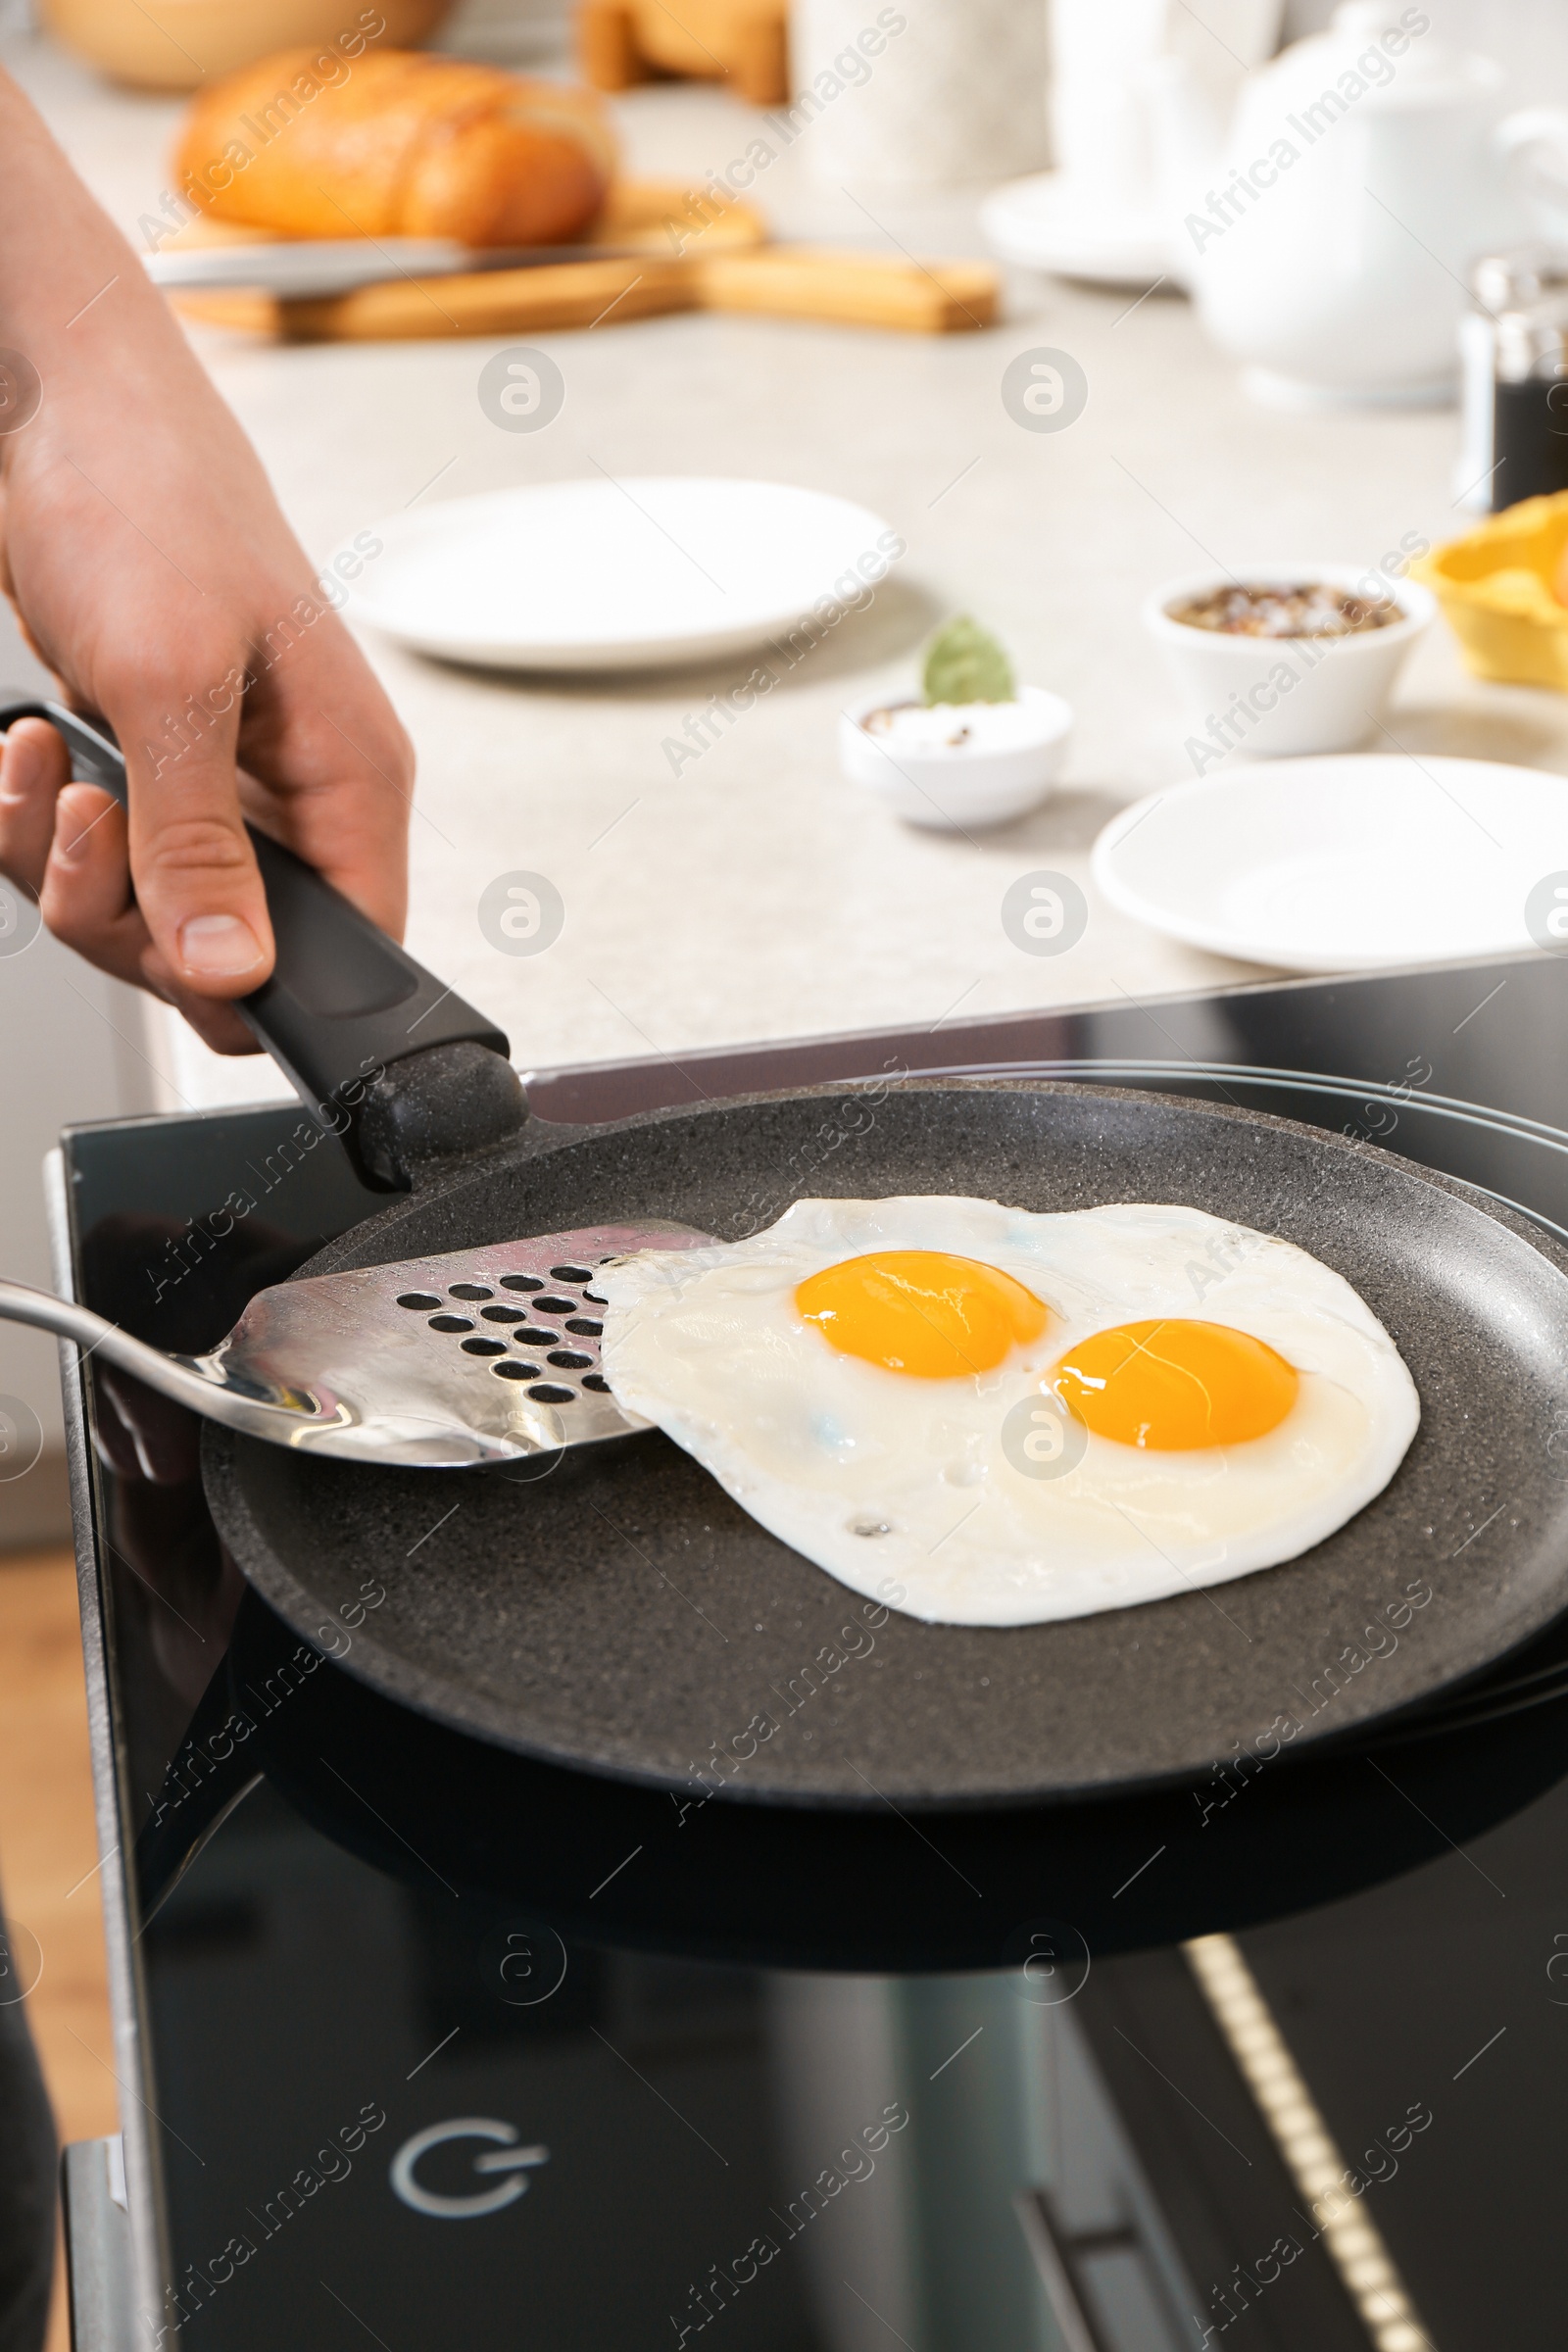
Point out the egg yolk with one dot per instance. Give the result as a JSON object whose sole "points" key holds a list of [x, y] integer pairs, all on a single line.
{"points": [[921, 1311], [1173, 1386]]}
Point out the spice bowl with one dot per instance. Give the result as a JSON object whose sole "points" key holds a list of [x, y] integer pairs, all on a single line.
{"points": [[1276, 697], [957, 765]]}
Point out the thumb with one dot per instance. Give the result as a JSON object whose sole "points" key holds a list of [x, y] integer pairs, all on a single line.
{"points": [[191, 860]]}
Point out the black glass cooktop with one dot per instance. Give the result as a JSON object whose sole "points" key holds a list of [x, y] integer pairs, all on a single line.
{"points": [[433, 2045]]}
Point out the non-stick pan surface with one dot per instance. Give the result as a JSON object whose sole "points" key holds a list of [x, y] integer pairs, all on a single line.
{"points": [[622, 1615]]}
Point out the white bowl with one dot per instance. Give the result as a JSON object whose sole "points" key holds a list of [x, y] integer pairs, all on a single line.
{"points": [[1277, 697], [952, 787]]}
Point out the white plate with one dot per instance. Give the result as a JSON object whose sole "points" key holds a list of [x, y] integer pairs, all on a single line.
{"points": [[1337, 864], [1045, 222], [642, 573]]}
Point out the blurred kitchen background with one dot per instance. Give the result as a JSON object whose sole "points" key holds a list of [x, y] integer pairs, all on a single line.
{"points": [[75, 1046]]}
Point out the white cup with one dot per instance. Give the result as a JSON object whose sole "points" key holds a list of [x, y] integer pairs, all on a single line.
{"points": [[1105, 57]]}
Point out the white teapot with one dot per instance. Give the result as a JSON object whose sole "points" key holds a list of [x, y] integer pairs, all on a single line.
{"points": [[1328, 244]]}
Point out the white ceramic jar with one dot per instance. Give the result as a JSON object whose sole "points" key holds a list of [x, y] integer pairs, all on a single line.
{"points": [[922, 93]]}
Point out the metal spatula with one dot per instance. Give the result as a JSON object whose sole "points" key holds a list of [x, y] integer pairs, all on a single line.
{"points": [[479, 1355]]}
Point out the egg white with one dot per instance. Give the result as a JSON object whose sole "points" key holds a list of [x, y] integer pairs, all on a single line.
{"points": [[903, 1487]]}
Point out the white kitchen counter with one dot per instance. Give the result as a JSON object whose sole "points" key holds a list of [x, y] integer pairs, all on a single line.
{"points": [[757, 896]]}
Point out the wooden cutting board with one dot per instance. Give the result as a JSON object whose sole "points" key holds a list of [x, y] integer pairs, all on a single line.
{"points": [[696, 252], [780, 282]]}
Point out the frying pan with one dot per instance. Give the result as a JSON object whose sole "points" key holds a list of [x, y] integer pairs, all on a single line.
{"points": [[777, 1886], [620, 1614]]}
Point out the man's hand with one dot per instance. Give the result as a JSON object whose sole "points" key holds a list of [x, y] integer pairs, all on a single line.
{"points": [[152, 570]]}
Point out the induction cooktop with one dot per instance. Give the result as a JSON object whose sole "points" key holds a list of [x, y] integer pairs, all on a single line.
{"points": [[423, 2044]]}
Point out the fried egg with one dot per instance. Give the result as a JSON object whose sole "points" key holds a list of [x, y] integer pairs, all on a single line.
{"points": [[985, 1416]]}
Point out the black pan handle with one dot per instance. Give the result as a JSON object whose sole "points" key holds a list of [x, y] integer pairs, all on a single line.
{"points": [[377, 1049]]}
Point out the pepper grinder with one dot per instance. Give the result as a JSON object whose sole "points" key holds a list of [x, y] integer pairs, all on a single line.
{"points": [[1513, 346]]}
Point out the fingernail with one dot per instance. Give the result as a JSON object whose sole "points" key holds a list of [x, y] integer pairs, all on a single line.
{"points": [[74, 824], [218, 944], [19, 768]]}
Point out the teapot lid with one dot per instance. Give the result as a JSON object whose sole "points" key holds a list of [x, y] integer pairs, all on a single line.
{"points": [[1366, 20], [1382, 57]]}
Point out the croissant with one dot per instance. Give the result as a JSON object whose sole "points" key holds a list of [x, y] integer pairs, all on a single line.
{"points": [[313, 143]]}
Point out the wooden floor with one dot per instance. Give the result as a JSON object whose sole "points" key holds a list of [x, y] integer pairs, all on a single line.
{"points": [[49, 1848]]}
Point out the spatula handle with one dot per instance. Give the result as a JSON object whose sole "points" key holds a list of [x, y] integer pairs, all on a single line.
{"points": [[202, 1384], [344, 1001], [172, 1376]]}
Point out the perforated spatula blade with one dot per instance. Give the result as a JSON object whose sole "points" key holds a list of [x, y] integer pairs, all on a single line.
{"points": [[477, 1355]]}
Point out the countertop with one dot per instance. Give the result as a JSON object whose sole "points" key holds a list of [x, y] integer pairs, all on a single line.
{"points": [[759, 896]]}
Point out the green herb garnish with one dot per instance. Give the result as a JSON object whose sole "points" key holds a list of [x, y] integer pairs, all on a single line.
{"points": [[964, 663]]}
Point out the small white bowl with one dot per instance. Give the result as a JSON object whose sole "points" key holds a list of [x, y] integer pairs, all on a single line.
{"points": [[950, 788], [1333, 691]]}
